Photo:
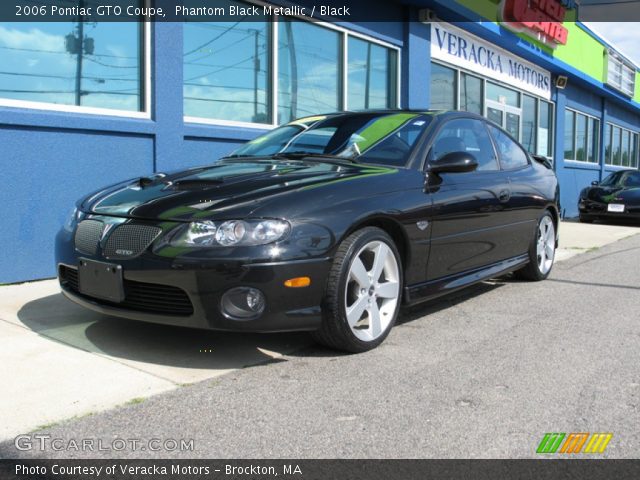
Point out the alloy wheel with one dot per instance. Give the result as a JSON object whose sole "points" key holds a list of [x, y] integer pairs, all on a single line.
{"points": [[372, 291], [546, 246]]}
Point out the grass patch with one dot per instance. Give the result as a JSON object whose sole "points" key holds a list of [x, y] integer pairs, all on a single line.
{"points": [[135, 401], [46, 426]]}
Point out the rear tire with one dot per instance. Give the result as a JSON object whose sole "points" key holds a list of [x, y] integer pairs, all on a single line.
{"points": [[542, 251], [363, 292]]}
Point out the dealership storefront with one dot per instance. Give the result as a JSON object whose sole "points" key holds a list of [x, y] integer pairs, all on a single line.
{"points": [[84, 106]]}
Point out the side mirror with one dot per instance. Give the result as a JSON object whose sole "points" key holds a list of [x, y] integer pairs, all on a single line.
{"points": [[595, 183], [454, 162]]}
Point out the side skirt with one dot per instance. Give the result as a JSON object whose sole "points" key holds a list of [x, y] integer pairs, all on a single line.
{"points": [[421, 292]]}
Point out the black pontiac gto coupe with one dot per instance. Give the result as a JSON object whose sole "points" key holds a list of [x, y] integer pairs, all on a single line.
{"points": [[617, 197], [326, 224]]}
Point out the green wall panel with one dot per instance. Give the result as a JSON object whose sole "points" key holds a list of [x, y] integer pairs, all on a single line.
{"points": [[582, 51]]}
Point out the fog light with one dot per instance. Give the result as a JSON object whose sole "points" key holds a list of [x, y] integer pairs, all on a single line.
{"points": [[243, 303]]}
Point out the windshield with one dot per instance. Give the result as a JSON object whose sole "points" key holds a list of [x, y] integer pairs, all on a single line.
{"points": [[379, 138], [612, 179]]}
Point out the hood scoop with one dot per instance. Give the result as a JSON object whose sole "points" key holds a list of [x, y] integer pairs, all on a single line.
{"points": [[194, 184]]}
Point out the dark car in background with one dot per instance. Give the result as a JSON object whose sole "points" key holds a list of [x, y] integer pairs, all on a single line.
{"points": [[617, 197], [326, 224]]}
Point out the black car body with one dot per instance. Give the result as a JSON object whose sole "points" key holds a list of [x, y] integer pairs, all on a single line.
{"points": [[451, 222], [617, 197]]}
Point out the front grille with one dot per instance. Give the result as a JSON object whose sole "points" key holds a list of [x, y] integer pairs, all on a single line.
{"points": [[88, 236], [130, 240], [139, 296]]}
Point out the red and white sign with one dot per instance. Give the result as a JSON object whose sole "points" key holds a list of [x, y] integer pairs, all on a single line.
{"points": [[538, 19]]}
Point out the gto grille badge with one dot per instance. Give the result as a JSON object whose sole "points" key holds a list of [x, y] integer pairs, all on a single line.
{"points": [[124, 253], [422, 224]]}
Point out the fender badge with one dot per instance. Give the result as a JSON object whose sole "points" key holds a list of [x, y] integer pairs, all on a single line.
{"points": [[422, 224]]}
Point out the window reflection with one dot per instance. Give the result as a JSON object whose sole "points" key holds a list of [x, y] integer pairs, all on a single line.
{"points": [[470, 93], [544, 129], [226, 70], [84, 64], [569, 135], [529, 123], [372, 74], [308, 70], [443, 87]]}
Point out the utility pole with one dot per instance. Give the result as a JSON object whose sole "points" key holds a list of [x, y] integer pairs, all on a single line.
{"points": [[294, 71], [79, 53], [367, 82], [256, 70]]}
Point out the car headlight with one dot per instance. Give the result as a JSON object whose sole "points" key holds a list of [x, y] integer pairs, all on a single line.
{"points": [[230, 233], [70, 220]]}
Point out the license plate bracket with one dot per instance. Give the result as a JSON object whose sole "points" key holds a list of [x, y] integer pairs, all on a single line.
{"points": [[616, 207], [101, 280]]}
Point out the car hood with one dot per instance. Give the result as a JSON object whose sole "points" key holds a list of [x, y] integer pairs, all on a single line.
{"points": [[614, 194], [225, 189]]}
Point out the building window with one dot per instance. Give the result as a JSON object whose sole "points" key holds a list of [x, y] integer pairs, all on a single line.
{"points": [[231, 72], [545, 132], [593, 127], [581, 134], [621, 74], [227, 70], [529, 123], [98, 65], [502, 95], [569, 135], [372, 75], [309, 70], [443, 87], [471, 93], [621, 147], [229, 67]]}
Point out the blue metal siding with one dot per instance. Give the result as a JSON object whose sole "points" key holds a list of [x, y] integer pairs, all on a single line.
{"points": [[574, 176], [46, 171]]}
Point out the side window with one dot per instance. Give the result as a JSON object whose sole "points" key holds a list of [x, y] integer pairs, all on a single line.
{"points": [[466, 135], [632, 180], [511, 154], [397, 147]]}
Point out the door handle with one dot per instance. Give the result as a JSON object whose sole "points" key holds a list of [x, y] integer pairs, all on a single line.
{"points": [[504, 196]]}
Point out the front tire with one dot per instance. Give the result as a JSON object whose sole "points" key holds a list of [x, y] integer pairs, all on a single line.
{"points": [[542, 251], [363, 292]]}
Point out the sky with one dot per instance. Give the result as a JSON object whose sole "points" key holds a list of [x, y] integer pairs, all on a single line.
{"points": [[624, 36]]}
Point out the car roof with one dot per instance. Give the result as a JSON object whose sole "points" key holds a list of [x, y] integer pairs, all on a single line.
{"points": [[400, 110]]}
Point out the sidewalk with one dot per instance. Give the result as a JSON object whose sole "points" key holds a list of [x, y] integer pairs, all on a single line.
{"points": [[60, 360], [576, 238]]}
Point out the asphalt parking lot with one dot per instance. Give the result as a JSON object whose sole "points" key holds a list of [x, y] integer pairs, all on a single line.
{"points": [[485, 373]]}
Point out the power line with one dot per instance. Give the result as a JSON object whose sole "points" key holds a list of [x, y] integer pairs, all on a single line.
{"points": [[227, 30], [62, 52], [216, 100], [108, 65], [67, 77]]}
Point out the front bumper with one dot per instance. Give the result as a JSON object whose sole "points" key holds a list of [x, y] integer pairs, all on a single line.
{"points": [[592, 210], [188, 292]]}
